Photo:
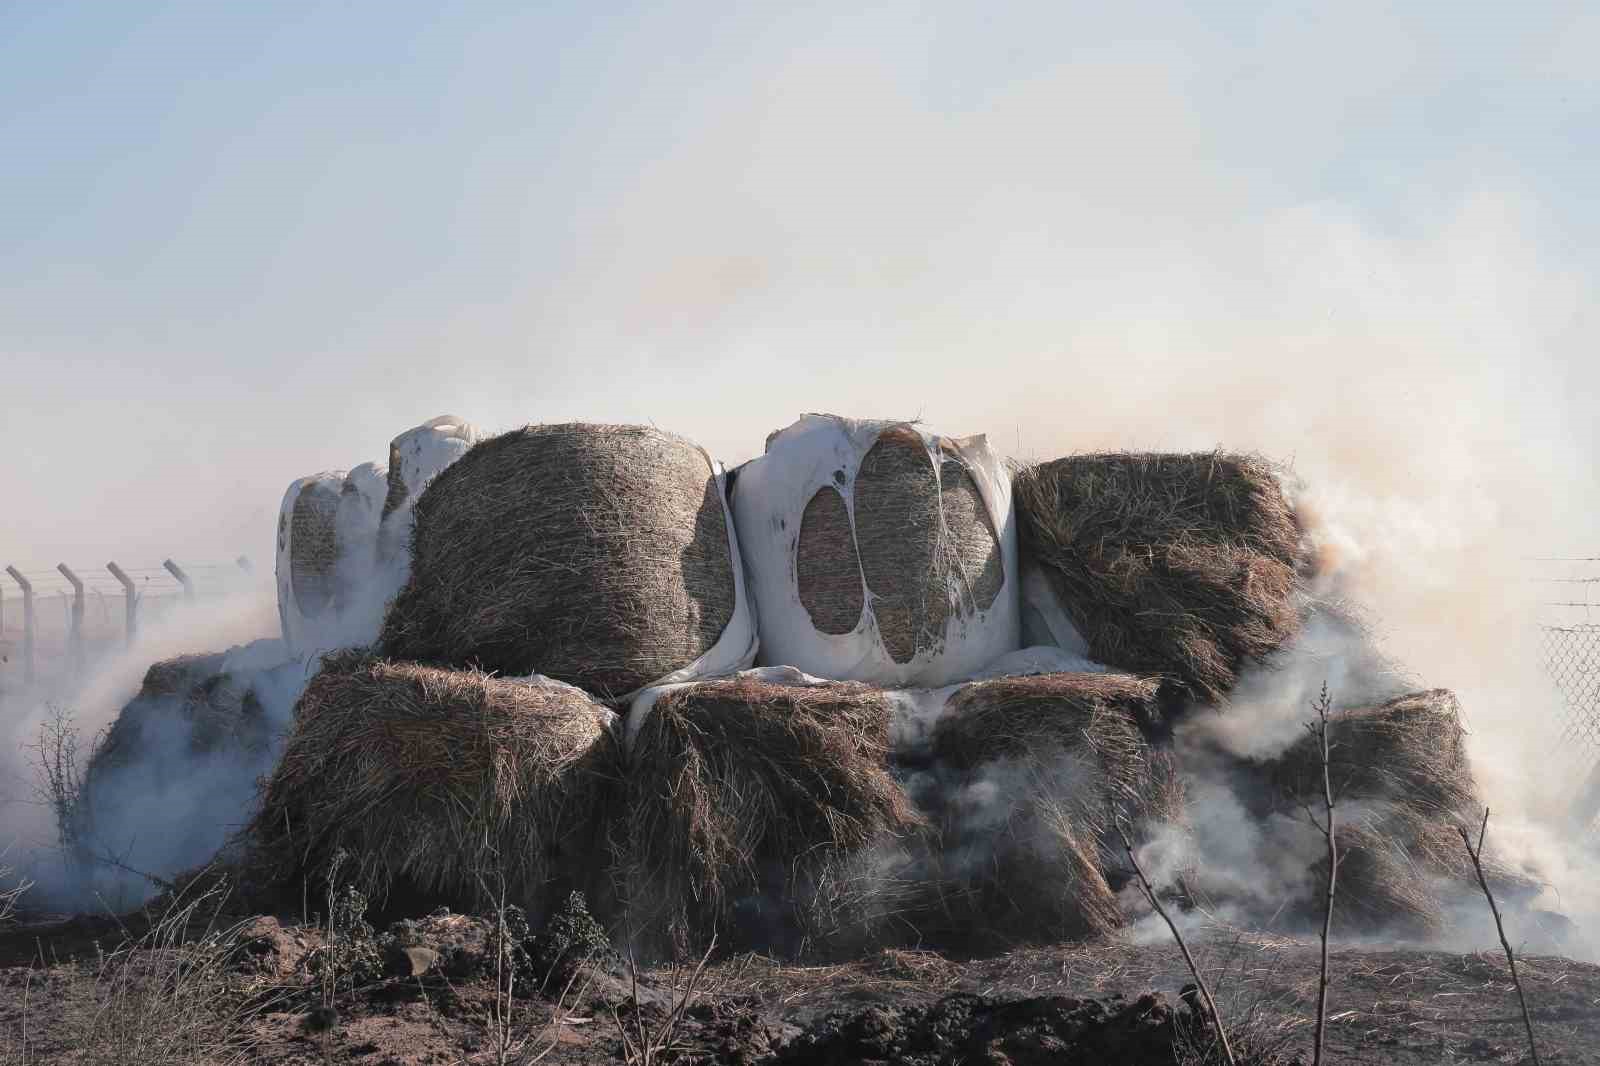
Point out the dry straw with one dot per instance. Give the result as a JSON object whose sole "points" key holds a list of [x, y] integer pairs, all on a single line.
{"points": [[440, 781], [1409, 750], [598, 555], [742, 796], [1182, 566], [1382, 889]]}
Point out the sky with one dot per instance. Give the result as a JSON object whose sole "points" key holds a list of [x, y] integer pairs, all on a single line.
{"points": [[243, 243]]}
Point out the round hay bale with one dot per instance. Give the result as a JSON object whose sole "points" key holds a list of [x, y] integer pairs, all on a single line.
{"points": [[743, 795], [1093, 720], [308, 552], [441, 782], [879, 551], [602, 556], [1180, 566], [1409, 751]]}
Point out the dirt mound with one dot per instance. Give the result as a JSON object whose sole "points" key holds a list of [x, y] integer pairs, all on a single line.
{"points": [[1041, 1031]]}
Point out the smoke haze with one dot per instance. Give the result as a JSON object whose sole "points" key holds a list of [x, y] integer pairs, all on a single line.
{"points": [[1067, 228]]}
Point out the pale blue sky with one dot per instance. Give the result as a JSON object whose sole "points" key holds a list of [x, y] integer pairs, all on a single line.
{"points": [[241, 243]]}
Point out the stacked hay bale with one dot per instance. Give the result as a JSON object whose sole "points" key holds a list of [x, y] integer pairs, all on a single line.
{"points": [[1400, 774], [449, 783], [745, 797], [602, 556], [1185, 567], [879, 551], [1028, 780]]}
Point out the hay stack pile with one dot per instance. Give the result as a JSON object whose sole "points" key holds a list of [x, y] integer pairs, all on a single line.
{"points": [[879, 551], [1186, 567], [440, 782], [598, 555], [743, 796]]}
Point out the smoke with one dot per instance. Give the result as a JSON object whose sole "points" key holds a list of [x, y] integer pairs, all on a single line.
{"points": [[183, 779]]}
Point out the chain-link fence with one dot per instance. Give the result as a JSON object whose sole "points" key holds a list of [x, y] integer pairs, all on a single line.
{"points": [[1571, 655]]}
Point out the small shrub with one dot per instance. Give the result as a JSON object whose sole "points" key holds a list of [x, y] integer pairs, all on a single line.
{"points": [[571, 939]]}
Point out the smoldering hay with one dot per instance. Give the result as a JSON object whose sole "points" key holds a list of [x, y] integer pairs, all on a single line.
{"points": [[970, 680]]}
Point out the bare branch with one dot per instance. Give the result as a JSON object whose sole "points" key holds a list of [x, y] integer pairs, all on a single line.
{"points": [[1483, 882], [1205, 990]]}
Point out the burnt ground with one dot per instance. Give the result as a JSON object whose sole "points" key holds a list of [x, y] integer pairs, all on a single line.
{"points": [[209, 991]]}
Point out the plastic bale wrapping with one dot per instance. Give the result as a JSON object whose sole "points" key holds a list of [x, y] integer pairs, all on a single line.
{"points": [[1180, 566], [1029, 777], [442, 783], [416, 457], [745, 796], [879, 551], [1410, 751], [602, 556]]}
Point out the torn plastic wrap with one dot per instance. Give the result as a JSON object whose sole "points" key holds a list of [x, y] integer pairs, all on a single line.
{"points": [[878, 551]]}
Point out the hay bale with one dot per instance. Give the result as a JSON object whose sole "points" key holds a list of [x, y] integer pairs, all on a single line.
{"points": [[1014, 862], [308, 552], [1027, 779], [743, 795], [437, 781], [1381, 890], [209, 705], [598, 555], [1409, 750], [1093, 720], [879, 551], [1182, 566], [1434, 845]]}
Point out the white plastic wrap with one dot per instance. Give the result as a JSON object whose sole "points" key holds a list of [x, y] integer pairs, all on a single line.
{"points": [[1044, 621], [735, 649], [307, 560], [416, 457], [770, 499], [362, 530]]}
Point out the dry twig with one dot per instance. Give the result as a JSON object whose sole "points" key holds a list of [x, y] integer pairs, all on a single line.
{"points": [[1477, 864], [1205, 990], [1319, 731]]}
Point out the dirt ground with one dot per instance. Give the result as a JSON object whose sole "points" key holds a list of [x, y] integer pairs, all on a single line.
{"points": [[250, 990]]}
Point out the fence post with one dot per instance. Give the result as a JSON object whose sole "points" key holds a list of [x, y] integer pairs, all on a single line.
{"points": [[183, 579], [75, 631], [27, 622], [130, 601]]}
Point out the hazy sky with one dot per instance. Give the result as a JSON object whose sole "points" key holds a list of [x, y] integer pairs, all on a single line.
{"points": [[241, 243]]}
